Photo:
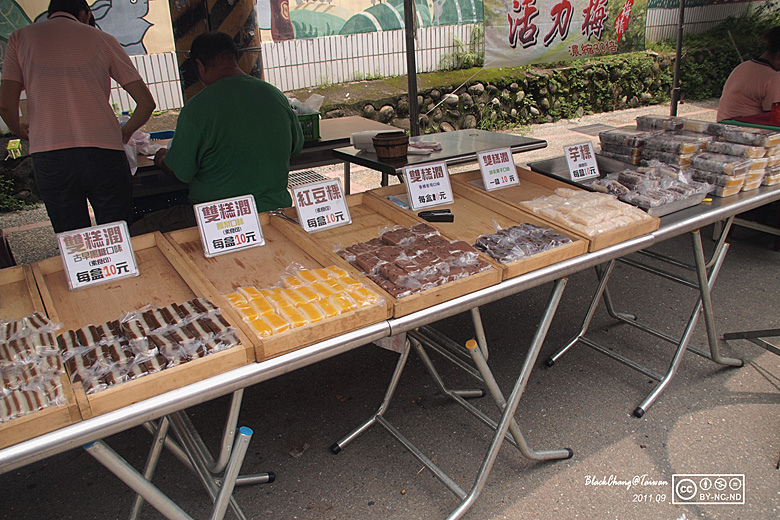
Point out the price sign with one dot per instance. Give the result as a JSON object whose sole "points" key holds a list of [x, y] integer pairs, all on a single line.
{"points": [[582, 161], [228, 225], [428, 185], [97, 254], [321, 205], [498, 168]]}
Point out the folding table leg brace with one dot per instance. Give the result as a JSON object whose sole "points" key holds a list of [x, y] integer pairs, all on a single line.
{"points": [[193, 453], [703, 284], [757, 337], [505, 428]]}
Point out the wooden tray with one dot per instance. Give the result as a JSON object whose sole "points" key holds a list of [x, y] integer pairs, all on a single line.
{"points": [[263, 267], [165, 278], [18, 298], [370, 215], [476, 213], [534, 185]]}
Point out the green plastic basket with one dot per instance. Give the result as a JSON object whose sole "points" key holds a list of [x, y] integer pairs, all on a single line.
{"points": [[310, 124]]}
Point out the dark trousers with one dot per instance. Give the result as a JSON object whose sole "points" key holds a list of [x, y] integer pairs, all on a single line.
{"points": [[67, 178]]}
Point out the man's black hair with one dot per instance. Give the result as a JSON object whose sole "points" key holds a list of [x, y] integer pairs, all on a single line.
{"points": [[73, 7], [212, 46]]}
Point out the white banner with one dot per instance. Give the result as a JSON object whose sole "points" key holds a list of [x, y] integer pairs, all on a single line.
{"points": [[521, 32]]}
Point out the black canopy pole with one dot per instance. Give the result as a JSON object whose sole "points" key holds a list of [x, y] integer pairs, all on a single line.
{"points": [[678, 55], [411, 67]]}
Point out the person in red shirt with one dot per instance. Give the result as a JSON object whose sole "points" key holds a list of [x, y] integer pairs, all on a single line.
{"points": [[753, 85], [77, 146]]}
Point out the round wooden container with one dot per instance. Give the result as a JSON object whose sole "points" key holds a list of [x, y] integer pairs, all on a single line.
{"points": [[391, 145]]}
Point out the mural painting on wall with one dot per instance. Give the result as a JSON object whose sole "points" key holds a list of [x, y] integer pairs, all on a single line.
{"points": [[141, 26], [305, 19]]}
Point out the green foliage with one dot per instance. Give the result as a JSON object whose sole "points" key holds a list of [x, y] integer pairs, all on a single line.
{"points": [[7, 200], [366, 76], [467, 55], [708, 58], [491, 117]]}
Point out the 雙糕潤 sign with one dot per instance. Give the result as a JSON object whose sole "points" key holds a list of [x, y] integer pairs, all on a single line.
{"points": [[520, 32]]}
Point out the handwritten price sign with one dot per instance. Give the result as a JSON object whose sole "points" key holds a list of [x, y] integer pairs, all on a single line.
{"points": [[228, 225], [321, 205], [96, 255], [581, 161], [428, 185], [498, 169]]}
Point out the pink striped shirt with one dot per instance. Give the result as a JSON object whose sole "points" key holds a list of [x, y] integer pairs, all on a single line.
{"points": [[65, 67]]}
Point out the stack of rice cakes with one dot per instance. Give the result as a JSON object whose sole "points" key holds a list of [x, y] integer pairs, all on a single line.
{"points": [[31, 368], [732, 159], [518, 242], [306, 297], [406, 261], [144, 342]]}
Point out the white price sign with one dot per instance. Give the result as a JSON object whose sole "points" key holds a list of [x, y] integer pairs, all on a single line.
{"points": [[428, 185], [321, 205], [98, 254], [581, 161], [228, 225], [498, 168]]}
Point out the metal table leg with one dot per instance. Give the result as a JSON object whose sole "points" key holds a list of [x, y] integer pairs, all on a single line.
{"points": [[757, 338], [505, 429], [221, 496], [603, 276], [346, 178], [703, 285], [399, 368], [151, 463], [513, 401], [199, 450]]}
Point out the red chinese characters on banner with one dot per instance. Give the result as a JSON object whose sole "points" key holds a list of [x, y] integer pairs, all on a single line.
{"points": [[561, 17], [595, 16], [587, 49], [622, 19], [520, 27]]}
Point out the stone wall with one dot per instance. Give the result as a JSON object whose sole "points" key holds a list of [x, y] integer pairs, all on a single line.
{"points": [[520, 97]]}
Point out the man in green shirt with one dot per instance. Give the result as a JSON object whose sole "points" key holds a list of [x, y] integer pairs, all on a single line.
{"points": [[234, 137]]}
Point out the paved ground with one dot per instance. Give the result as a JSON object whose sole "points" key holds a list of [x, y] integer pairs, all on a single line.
{"points": [[711, 420]]}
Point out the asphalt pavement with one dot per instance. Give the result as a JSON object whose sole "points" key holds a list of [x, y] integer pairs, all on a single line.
{"points": [[711, 420]]}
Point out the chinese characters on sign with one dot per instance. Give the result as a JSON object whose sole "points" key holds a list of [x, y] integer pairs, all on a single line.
{"points": [[581, 161], [428, 185], [521, 32], [228, 225], [97, 255], [321, 206], [498, 169], [621, 21], [520, 25]]}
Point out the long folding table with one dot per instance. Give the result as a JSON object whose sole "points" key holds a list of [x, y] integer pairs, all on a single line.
{"points": [[457, 146], [168, 404]]}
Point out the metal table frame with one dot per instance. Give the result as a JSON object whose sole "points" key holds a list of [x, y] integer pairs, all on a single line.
{"points": [[166, 404], [457, 147], [505, 429], [706, 273]]}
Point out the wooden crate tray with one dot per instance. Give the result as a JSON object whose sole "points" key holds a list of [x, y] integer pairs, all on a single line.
{"points": [[164, 278], [262, 267], [18, 298], [369, 216], [476, 213], [534, 185]]}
